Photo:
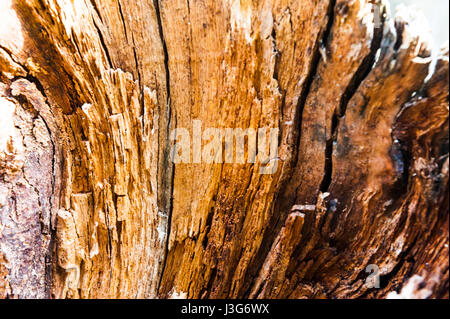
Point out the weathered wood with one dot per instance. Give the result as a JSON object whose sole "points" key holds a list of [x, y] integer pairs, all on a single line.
{"points": [[91, 205]]}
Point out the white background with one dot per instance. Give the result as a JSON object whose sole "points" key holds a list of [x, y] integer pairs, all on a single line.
{"points": [[436, 12]]}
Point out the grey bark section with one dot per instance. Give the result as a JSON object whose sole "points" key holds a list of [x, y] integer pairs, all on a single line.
{"points": [[26, 192]]}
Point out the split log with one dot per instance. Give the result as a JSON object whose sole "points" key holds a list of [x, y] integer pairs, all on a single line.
{"points": [[92, 206]]}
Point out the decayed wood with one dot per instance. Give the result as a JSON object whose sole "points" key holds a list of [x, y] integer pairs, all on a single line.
{"points": [[91, 205]]}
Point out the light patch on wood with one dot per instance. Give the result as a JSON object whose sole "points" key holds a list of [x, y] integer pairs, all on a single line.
{"points": [[7, 109], [241, 18]]}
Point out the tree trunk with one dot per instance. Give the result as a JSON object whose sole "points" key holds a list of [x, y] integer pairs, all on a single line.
{"points": [[92, 205]]}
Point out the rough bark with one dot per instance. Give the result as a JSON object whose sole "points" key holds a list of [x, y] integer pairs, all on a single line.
{"points": [[92, 207]]}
